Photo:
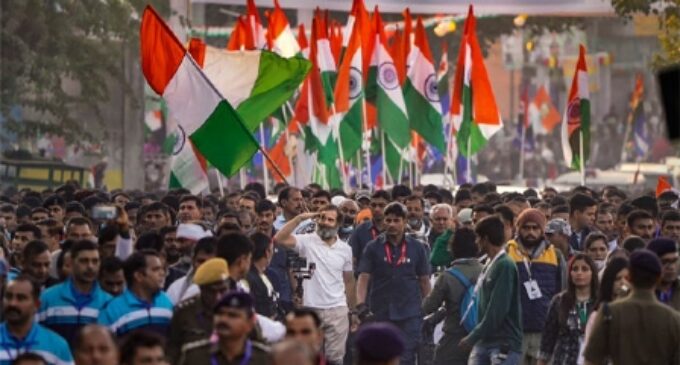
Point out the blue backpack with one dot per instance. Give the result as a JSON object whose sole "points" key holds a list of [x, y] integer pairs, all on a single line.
{"points": [[468, 303]]}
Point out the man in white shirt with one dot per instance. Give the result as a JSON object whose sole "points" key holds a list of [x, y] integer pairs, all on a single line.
{"points": [[330, 291]]}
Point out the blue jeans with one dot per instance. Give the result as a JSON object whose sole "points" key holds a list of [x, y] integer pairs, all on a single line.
{"points": [[411, 329], [481, 355]]}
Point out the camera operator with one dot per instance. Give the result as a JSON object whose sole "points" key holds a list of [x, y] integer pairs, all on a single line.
{"points": [[331, 289]]}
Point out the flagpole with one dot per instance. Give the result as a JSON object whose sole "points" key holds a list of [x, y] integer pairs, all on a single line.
{"points": [[360, 179], [242, 177], [384, 163], [265, 173], [582, 162], [401, 168], [287, 134], [410, 175], [220, 183], [416, 167], [454, 168], [368, 148], [336, 129], [626, 135], [469, 160], [447, 153], [521, 151]]}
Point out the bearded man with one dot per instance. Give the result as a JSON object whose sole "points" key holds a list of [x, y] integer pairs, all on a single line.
{"points": [[330, 291]]}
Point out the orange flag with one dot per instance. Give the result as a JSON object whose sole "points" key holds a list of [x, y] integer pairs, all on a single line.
{"points": [[662, 185], [278, 155], [398, 54], [241, 36], [550, 117]]}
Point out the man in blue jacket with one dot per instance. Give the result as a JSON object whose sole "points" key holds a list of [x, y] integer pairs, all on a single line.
{"points": [[20, 333], [142, 304], [76, 302]]}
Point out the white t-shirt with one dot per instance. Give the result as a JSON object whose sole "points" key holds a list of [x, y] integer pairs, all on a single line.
{"points": [[326, 288], [175, 289]]}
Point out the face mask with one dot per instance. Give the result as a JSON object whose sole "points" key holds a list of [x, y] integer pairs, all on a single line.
{"points": [[599, 264], [326, 233], [346, 230]]}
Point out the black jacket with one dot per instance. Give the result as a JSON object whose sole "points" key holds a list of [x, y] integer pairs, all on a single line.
{"points": [[265, 304]]}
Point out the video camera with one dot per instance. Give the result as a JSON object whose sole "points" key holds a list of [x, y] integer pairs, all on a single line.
{"points": [[301, 269]]}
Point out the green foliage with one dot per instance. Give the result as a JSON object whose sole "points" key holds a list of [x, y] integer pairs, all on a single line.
{"points": [[669, 23], [46, 45]]}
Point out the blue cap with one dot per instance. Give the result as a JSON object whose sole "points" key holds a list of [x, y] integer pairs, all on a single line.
{"points": [[644, 259], [380, 341], [235, 299], [662, 246]]}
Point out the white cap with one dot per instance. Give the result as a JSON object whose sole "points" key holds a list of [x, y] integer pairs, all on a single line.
{"points": [[337, 200], [464, 216]]}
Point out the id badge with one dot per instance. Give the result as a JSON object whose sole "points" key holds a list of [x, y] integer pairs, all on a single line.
{"points": [[533, 291]]}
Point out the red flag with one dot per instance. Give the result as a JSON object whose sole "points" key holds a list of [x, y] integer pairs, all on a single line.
{"points": [[662, 185]]}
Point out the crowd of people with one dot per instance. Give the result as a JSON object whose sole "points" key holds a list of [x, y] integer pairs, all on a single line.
{"points": [[308, 276]]}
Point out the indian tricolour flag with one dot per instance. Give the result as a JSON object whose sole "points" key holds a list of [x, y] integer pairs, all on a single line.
{"points": [[420, 91], [279, 35], [384, 90], [349, 94], [255, 24], [474, 112], [576, 121], [324, 56], [205, 119], [255, 83], [302, 41]]}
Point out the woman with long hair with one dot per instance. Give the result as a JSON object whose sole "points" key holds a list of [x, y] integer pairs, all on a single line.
{"points": [[563, 335], [614, 285]]}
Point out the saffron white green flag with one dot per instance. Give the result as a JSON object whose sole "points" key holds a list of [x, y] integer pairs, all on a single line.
{"points": [[205, 119], [420, 91]]}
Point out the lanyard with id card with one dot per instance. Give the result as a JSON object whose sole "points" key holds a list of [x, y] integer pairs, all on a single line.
{"points": [[531, 285]]}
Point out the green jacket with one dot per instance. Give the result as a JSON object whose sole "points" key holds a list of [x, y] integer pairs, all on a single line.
{"points": [[499, 307], [440, 255]]}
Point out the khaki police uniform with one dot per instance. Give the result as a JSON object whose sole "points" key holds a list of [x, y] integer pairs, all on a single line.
{"points": [[191, 323], [205, 352], [637, 330]]}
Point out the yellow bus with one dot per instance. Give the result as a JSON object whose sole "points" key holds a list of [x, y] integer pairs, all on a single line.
{"points": [[39, 174]]}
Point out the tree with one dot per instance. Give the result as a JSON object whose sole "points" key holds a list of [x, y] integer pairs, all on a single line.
{"points": [[57, 58], [669, 23]]}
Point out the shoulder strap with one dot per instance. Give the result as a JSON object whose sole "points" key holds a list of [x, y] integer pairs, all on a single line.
{"points": [[459, 275]]}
